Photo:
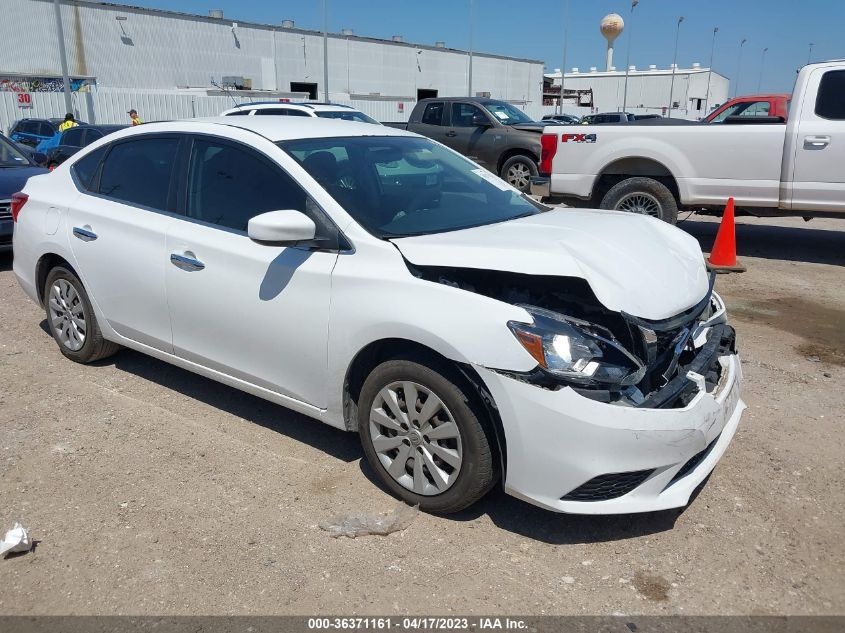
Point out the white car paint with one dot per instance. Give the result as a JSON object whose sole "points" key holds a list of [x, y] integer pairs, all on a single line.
{"points": [[793, 167], [291, 109], [286, 323]]}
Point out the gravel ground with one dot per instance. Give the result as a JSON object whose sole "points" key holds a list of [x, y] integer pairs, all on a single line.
{"points": [[150, 490]]}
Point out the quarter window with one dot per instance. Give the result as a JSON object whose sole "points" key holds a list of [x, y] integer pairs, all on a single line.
{"points": [[228, 185], [139, 171], [433, 114], [830, 101]]}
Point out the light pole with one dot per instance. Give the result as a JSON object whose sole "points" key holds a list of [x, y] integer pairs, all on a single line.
{"points": [[634, 3], [739, 66], [469, 72], [565, 41], [762, 62], [810, 54], [674, 66], [709, 71], [63, 56], [326, 49]]}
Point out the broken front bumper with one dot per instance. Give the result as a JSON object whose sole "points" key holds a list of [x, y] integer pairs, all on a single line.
{"points": [[570, 453]]}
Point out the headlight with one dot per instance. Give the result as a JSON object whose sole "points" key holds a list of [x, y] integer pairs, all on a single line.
{"points": [[576, 350]]}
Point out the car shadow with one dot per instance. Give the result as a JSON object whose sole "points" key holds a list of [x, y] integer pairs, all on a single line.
{"points": [[755, 238], [5, 261]]}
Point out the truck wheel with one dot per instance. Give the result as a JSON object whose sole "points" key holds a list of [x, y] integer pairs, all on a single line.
{"points": [[518, 171], [642, 195], [423, 437]]}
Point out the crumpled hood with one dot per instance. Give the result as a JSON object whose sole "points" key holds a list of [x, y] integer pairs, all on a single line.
{"points": [[633, 263]]}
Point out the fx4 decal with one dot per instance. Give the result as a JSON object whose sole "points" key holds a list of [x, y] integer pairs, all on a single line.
{"points": [[578, 138]]}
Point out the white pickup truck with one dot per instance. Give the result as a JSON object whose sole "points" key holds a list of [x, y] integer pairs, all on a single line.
{"points": [[769, 167]]}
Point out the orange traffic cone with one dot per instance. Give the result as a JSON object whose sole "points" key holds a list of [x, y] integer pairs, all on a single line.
{"points": [[723, 256]]}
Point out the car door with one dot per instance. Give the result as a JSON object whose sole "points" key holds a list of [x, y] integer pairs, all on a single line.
{"points": [[818, 176], [255, 311], [433, 125], [476, 142], [117, 229]]}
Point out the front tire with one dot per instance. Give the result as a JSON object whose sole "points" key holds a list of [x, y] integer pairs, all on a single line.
{"points": [[518, 171], [423, 436], [645, 196], [71, 319]]}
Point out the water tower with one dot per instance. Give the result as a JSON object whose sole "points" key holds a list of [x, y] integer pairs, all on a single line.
{"points": [[611, 26]]}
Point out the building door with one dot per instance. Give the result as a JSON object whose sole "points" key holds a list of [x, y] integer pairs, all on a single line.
{"points": [[311, 89], [426, 93]]}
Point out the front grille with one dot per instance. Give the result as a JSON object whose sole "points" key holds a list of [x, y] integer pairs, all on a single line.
{"points": [[5, 209], [610, 486], [693, 462]]}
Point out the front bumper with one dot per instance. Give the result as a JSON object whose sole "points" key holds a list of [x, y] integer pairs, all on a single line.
{"points": [[6, 231], [557, 441]]}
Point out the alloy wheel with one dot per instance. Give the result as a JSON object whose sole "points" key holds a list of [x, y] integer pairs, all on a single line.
{"points": [[67, 315], [416, 438], [519, 175], [642, 203]]}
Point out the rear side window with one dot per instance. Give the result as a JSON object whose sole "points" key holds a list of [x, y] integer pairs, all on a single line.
{"points": [[139, 171], [45, 129], [85, 169], [73, 137], [830, 101], [433, 114], [228, 185], [239, 113], [91, 136], [280, 111]]}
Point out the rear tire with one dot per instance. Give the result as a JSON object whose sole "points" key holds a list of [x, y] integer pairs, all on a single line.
{"points": [[71, 319], [439, 456], [518, 171], [646, 196]]}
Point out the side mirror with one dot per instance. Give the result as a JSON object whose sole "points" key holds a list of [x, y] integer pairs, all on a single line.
{"points": [[479, 120], [281, 227], [40, 158]]}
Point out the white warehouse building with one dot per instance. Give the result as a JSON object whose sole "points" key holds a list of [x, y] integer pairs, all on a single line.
{"points": [[648, 90], [166, 65]]}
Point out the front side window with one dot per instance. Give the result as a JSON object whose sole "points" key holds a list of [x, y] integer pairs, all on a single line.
{"points": [[401, 186], [463, 114], [139, 171], [433, 114], [85, 169], [507, 114], [228, 185], [73, 137], [830, 100]]}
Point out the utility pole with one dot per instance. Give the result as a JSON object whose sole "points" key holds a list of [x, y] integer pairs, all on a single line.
{"points": [[674, 66], [469, 71], [565, 42], [762, 63], [634, 3], [326, 49], [810, 54], [63, 56], [739, 66], [709, 72]]}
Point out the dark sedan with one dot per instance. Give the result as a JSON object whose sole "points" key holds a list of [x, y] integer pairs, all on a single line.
{"points": [[76, 138], [16, 167]]}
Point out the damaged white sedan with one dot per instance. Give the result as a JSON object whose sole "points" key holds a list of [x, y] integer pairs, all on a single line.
{"points": [[381, 283]]}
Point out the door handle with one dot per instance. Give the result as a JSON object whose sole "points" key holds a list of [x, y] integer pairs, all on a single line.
{"points": [[185, 262], [451, 133], [84, 234], [816, 142]]}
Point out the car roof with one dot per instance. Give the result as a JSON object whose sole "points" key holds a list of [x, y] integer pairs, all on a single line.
{"points": [[273, 128], [476, 99], [323, 107]]}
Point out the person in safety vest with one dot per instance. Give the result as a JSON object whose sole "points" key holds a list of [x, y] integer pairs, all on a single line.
{"points": [[68, 123], [133, 115]]}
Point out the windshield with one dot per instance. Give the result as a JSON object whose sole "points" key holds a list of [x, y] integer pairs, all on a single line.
{"points": [[347, 115], [11, 156], [507, 114], [401, 186]]}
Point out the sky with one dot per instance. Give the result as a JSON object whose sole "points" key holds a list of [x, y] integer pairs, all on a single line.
{"points": [[535, 30]]}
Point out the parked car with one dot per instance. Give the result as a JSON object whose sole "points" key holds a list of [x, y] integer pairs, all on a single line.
{"points": [[564, 119], [607, 117], [774, 105], [379, 282], [495, 134], [777, 169], [74, 139], [319, 110], [16, 166], [32, 131]]}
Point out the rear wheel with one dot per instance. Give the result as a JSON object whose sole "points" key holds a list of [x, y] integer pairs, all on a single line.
{"points": [[422, 436], [71, 319], [517, 171], [645, 196]]}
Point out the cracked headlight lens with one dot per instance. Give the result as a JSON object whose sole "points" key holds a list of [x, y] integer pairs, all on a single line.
{"points": [[576, 350]]}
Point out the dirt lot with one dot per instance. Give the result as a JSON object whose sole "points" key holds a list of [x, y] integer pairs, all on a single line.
{"points": [[152, 490]]}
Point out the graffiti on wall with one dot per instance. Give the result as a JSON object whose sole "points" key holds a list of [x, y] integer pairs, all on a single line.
{"points": [[44, 84]]}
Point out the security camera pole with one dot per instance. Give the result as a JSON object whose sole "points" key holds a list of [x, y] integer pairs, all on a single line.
{"points": [[674, 66], [63, 55], [634, 3], [709, 72]]}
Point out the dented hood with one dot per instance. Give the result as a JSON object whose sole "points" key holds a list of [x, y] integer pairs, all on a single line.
{"points": [[633, 263]]}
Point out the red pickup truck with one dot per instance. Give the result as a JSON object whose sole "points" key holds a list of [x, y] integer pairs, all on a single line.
{"points": [[776, 105]]}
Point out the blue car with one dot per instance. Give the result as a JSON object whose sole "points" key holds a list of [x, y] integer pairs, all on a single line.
{"points": [[16, 166]]}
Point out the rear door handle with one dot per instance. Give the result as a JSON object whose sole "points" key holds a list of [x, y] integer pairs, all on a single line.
{"points": [[816, 142], [186, 261], [84, 234], [451, 133]]}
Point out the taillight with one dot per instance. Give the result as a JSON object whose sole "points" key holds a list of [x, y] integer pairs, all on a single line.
{"points": [[548, 148], [18, 200]]}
